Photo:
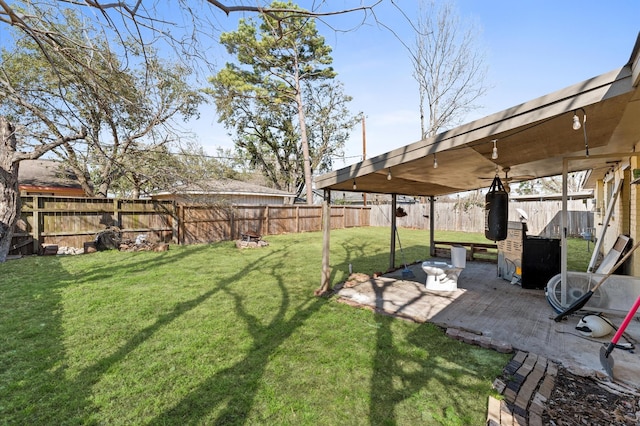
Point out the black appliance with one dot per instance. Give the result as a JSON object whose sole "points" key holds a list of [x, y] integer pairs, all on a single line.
{"points": [[540, 261]]}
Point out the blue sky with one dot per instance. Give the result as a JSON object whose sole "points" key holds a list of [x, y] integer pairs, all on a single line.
{"points": [[531, 48]]}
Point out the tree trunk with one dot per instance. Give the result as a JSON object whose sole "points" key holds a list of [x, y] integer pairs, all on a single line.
{"points": [[71, 159], [308, 182], [9, 191], [103, 189]]}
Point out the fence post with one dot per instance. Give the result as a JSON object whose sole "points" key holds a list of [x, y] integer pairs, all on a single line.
{"points": [[116, 212], [297, 219], [181, 224], [36, 231], [232, 224], [175, 225], [267, 213]]}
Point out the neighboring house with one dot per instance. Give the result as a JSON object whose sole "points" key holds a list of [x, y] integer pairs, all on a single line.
{"points": [[49, 178], [227, 191]]}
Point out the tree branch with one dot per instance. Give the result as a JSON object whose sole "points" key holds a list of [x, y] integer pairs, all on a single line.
{"points": [[44, 148], [275, 12]]}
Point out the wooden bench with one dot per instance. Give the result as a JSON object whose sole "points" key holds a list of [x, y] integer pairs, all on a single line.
{"points": [[485, 252]]}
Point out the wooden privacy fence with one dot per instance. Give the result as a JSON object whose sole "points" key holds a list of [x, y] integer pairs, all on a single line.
{"points": [[205, 223], [69, 221], [544, 217], [72, 222]]}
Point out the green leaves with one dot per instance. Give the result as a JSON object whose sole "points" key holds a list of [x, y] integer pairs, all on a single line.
{"points": [[267, 96], [123, 93]]}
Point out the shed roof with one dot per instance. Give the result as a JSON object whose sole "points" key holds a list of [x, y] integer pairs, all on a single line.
{"points": [[532, 139]]}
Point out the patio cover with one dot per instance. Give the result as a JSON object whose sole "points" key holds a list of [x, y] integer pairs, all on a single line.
{"points": [[535, 139], [532, 140]]}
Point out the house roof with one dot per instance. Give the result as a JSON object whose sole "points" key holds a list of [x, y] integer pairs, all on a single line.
{"points": [[226, 187], [46, 174], [533, 141]]}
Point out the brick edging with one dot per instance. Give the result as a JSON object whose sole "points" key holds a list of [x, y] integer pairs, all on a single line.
{"points": [[530, 381], [480, 340]]}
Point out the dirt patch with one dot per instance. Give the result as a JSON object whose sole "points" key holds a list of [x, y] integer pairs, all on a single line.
{"points": [[577, 400], [355, 279]]}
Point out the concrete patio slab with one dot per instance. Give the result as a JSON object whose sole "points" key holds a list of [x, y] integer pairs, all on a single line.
{"points": [[487, 305]]}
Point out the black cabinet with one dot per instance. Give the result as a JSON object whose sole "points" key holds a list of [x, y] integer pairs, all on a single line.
{"points": [[540, 261]]}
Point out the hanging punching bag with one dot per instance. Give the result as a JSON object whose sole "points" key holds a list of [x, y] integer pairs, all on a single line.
{"points": [[496, 211]]}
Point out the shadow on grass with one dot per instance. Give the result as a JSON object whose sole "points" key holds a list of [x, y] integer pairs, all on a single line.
{"points": [[227, 397], [33, 341], [36, 389], [137, 262], [431, 368], [440, 369]]}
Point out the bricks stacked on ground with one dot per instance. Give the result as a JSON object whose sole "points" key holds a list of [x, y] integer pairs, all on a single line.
{"points": [[529, 381], [480, 340]]}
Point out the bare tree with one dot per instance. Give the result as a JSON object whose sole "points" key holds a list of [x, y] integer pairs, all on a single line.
{"points": [[151, 21], [139, 25], [448, 66], [127, 108], [551, 185]]}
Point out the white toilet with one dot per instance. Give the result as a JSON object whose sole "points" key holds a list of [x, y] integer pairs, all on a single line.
{"points": [[443, 276]]}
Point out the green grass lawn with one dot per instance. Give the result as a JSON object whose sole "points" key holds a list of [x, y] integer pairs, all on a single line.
{"points": [[208, 334]]}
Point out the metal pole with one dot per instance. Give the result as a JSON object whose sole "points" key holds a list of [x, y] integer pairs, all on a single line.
{"points": [[432, 226], [364, 155], [563, 235], [392, 254]]}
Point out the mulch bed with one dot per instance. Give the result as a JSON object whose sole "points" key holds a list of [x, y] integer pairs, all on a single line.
{"points": [[578, 400]]}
